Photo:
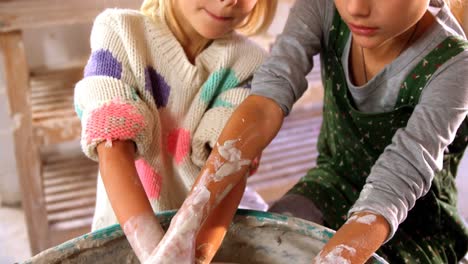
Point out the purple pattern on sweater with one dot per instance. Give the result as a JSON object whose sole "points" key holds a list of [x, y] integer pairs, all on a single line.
{"points": [[103, 63], [157, 86]]}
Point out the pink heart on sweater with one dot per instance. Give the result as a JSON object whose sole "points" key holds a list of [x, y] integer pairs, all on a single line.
{"points": [[178, 144], [150, 179]]}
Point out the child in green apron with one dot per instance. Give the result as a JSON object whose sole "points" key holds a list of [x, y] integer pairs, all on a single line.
{"points": [[394, 127], [353, 141]]}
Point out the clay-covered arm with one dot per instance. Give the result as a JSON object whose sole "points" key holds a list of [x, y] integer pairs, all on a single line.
{"points": [[128, 198], [356, 240], [216, 225], [249, 130]]}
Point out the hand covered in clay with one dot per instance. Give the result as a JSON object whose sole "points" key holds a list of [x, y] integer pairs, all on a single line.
{"points": [[356, 240], [178, 245], [143, 232]]}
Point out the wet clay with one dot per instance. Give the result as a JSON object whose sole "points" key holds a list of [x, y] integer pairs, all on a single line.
{"points": [[251, 240]]}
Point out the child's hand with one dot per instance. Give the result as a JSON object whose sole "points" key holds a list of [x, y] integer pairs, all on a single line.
{"points": [[356, 240], [179, 249], [178, 245], [143, 232]]}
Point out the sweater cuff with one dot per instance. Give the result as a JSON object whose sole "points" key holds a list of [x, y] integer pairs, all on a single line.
{"points": [[111, 110], [115, 120], [207, 133]]}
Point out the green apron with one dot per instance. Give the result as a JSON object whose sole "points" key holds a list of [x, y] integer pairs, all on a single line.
{"points": [[351, 141]]}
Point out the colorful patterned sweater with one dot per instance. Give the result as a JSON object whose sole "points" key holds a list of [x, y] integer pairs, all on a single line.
{"points": [[139, 85]]}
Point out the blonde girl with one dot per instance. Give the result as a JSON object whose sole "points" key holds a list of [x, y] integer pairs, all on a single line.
{"points": [[157, 90], [394, 127]]}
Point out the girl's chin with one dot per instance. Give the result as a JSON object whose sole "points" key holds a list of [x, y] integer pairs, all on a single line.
{"points": [[214, 34], [365, 43]]}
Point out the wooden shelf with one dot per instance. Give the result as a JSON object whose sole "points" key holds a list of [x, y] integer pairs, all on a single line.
{"points": [[53, 115], [69, 184]]}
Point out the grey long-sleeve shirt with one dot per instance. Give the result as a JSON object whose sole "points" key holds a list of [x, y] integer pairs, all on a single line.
{"points": [[403, 173]]}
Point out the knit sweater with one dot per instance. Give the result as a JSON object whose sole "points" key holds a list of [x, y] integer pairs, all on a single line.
{"points": [[139, 85]]}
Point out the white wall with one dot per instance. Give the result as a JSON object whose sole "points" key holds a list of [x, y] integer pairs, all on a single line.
{"points": [[57, 46]]}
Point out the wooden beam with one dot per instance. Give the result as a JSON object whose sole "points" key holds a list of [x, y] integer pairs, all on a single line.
{"points": [[16, 75], [21, 14]]}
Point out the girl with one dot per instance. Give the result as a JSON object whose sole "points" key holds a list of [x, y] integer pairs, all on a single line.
{"points": [[394, 128], [157, 90]]}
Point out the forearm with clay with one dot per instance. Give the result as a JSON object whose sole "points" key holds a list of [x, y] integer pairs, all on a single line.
{"points": [[128, 198], [250, 129], [215, 227], [356, 240]]}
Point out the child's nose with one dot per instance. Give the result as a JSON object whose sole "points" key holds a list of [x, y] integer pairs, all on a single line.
{"points": [[358, 7], [228, 2]]}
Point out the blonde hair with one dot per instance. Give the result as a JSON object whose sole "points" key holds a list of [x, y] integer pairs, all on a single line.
{"points": [[257, 22]]}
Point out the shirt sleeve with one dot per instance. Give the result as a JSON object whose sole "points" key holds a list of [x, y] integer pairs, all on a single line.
{"points": [[404, 172], [106, 99], [282, 76]]}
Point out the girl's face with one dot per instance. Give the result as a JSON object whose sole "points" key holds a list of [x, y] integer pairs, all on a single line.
{"points": [[212, 19], [376, 22]]}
